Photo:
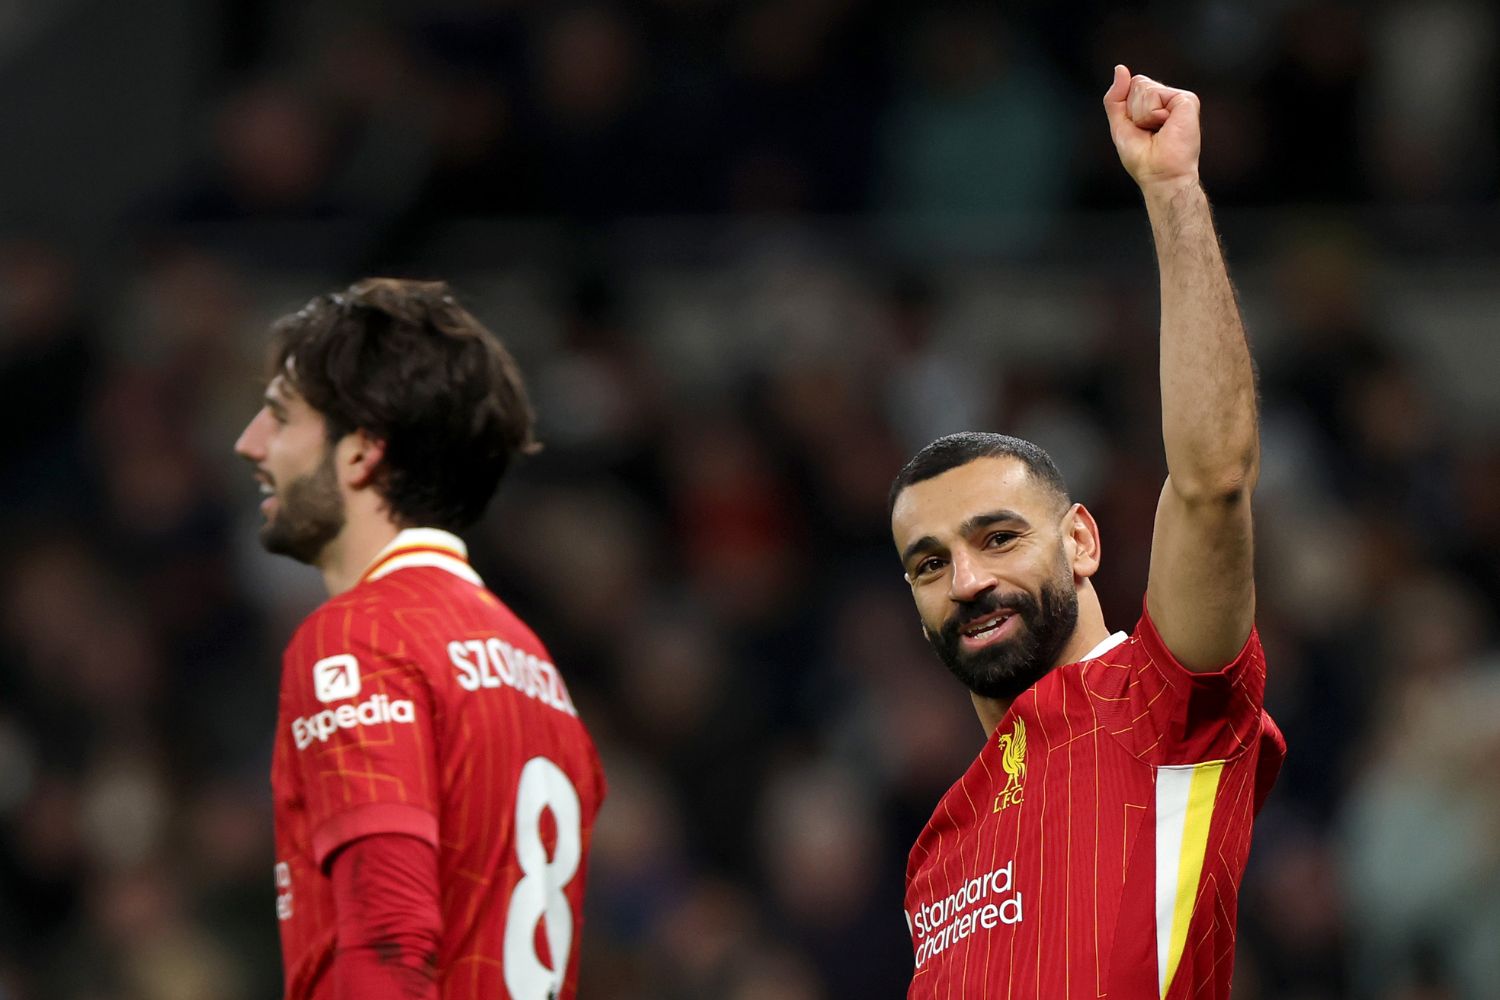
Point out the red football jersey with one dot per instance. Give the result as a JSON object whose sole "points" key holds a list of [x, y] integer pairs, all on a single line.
{"points": [[1095, 846], [417, 703]]}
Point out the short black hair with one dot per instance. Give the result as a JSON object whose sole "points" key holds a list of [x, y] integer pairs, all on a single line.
{"points": [[953, 450], [405, 363]]}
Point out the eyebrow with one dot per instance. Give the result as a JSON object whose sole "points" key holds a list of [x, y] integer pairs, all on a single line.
{"points": [[280, 391], [968, 527]]}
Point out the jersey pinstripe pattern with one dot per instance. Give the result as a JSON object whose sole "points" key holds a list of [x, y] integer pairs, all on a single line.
{"points": [[410, 704], [1095, 846]]}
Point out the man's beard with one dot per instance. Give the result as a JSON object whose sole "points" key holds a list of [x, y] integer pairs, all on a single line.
{"points": [[309, 515], [1006, 669]]}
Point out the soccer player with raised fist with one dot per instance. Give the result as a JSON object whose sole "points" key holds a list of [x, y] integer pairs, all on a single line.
{"points": [[434, 787], [1096, 845]]}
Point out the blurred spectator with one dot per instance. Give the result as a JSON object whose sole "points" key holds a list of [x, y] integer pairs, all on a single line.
{"points": [[976, 149], [1422, 822], [819, 848], [606, 154], [272, 156], [801, 106], [1434, 137], [1322, 59], [933, 389], [47, 366]]}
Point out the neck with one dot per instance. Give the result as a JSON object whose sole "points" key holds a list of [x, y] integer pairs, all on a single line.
{"points": [[347, 557], [1088, 633]]}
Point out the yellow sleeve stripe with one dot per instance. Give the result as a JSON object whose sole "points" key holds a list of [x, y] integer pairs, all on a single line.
{"points": [[1184, 809]]}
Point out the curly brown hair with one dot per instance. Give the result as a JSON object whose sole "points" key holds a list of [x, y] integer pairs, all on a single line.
{"points": [[402, 361]]}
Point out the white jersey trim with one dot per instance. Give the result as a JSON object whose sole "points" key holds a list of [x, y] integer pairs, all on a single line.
{"points": [[437, 560], [424, 540], [1105, 645], [434, 538], [1185, 796]]}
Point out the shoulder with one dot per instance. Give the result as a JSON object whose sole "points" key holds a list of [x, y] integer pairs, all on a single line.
{"points": [[490, 614], [370, 618], [1111, 658], [350, 643], [415, 612], [1247, 670], [1167, 714], [1143, 657]]}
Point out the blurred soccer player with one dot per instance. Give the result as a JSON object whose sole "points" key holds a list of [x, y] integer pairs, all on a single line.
{"points": [[434, 788], [1095, 846]]}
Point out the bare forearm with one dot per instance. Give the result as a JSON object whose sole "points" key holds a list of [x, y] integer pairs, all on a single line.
{"points": [[1201, 588], [1207, 379]]}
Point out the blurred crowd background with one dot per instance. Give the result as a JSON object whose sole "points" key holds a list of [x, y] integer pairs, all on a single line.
{"points": [[751, 255]]}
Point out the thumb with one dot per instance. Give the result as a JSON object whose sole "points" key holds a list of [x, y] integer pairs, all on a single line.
{"points": [[1114, 97]]}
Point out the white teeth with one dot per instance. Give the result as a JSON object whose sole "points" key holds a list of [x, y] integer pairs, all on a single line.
{"points": [[266, 490], [990, 627]]}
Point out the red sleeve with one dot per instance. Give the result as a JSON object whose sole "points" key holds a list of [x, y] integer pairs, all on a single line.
{"points": [[362, 730], [1170, 715], [1272, 756], [385, 895]]}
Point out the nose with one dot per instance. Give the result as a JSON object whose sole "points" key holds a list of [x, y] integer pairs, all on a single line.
{"points": [[251, 445], [970, 576]]}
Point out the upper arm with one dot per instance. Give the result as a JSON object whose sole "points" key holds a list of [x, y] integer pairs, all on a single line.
{"points": [[387, 901], [361, 716], [1201, 588]]}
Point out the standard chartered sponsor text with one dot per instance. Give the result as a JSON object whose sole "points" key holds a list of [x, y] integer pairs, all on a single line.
{"points": [[981, 903]]}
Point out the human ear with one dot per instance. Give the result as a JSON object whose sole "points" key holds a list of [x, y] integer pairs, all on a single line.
{"points": [[360, 458], [1081, 541]]}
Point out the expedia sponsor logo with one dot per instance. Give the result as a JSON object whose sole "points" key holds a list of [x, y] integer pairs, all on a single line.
{"points": [[336, 677], [376, 710]]}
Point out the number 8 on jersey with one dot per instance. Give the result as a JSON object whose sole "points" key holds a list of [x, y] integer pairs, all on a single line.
{"points": [[539, 894]]}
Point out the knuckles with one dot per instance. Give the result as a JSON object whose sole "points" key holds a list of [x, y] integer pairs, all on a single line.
{"points": [[1144, 102], [1144, 97]]}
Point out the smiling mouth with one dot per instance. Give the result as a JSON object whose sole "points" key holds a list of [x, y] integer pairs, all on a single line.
{"points": [[987, 625]]}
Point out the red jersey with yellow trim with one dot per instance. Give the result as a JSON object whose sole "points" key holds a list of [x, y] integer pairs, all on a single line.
{"points": [[1095, 847], [417, 703]]}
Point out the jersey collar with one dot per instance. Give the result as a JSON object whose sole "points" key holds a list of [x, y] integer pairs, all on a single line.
{"points": [[1104, 646], [423, 547]]}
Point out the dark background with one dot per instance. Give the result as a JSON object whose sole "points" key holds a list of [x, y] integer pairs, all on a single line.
{"points": [[751, 256]]}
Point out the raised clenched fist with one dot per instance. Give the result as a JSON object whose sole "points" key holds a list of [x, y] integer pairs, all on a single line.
{"points": [[1155, 128]]}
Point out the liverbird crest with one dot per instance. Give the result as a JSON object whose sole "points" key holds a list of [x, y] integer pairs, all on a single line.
{"points": [[1013, 758]]}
